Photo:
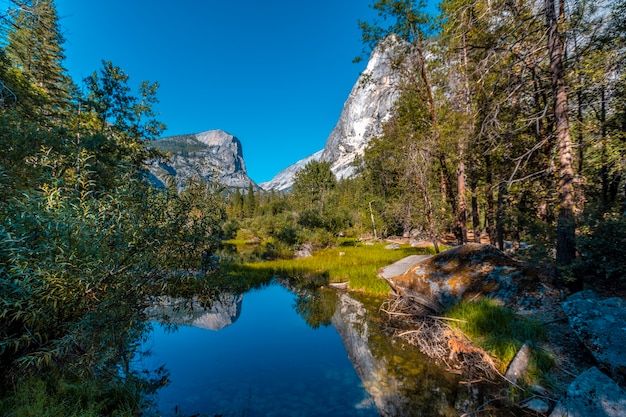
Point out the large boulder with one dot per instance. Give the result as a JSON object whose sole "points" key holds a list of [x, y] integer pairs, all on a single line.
{"points": [[601, 325], [465, 270], [592, 394]]}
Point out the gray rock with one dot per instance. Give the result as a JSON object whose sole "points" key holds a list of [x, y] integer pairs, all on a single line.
{"points": [[537, 405], [601, 326], [368, 106], [213, 155], [393, 246], [592, 394], [469, 269], [401, 266], [519, 365], [305, 251]]}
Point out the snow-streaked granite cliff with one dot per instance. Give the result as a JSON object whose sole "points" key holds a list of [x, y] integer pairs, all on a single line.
{"points": [[368, 106], [213, 155]]}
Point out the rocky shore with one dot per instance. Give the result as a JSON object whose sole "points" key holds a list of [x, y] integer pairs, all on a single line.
{"points": [[586, 331]]}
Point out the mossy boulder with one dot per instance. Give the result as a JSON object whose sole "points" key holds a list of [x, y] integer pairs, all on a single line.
{"points": [[460, 272]]}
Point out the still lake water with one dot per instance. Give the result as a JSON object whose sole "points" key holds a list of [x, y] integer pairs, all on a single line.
{"points": [[256, 355]]}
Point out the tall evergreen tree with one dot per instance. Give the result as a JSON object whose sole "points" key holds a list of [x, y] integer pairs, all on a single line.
{"points": [[566, 237], [35, 48], [251, 201]]}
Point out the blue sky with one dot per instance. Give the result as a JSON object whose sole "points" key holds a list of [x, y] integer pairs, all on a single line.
{"points": [[274, 73]]}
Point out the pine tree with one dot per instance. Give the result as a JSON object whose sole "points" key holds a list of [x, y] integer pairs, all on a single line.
{"points": [[35, 48], [251, 202]]}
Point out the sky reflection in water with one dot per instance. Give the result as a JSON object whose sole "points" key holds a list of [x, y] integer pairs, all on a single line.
{"points": [[268, 363]]}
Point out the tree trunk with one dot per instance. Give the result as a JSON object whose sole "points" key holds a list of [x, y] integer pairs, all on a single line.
{"points": [[432, 112], [566, 225], [500, 215], [604, 167], [461, 215], [475, 213], [490, 216]]}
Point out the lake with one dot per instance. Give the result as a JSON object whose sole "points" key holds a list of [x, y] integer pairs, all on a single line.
{"points": [[279, 351]]}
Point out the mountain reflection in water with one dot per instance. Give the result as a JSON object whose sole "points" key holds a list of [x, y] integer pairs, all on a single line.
{"points": [[221, 312], [283, 357]]}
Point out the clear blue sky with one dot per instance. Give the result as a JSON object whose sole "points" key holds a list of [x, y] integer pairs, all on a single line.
{"points": [[274, 73]]}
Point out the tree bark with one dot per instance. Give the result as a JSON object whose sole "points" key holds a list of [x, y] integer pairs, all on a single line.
{"points": [[566, 224], [475, 213], [432, 112], [502, 192], [490, 216]]}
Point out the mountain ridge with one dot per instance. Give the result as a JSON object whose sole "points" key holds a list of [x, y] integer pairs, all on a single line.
{"points": [[369, 105], [212, 155]]}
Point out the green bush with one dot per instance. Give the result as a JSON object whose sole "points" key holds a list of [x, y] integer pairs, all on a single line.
{"points": [[287, 235], [79, 269], [57, 396], [230, 228], [602, 246], [245, 235]]}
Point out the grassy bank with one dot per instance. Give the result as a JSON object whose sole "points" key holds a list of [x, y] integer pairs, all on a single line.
{"points": [[351, 261], [501, 333]]}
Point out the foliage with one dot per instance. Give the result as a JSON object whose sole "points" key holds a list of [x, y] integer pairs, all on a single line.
{"points": [[400, 167], [194, 218], [312, 184], [34, 397], [36, 53], [602, 245], [85, 241]]}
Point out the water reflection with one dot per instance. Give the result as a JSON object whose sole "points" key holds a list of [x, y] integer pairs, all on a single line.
{"points": [[401, 381], [219, 313], [269, 363], [296, 351]]}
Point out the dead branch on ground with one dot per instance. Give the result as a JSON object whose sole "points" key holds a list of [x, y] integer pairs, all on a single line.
{"points": [[438, 340]]}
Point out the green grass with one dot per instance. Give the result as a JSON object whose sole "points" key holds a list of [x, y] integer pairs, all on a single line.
{"points": [[501, 332], [351, 261]]}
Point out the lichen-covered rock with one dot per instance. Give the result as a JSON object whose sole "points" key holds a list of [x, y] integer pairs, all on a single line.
{"points": [[592, 394], [601, 326], [460, 271]]}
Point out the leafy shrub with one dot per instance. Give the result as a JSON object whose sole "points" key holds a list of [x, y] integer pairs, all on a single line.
{"points": [[287, 235], [603, 249], [245, 235], [78, 270], [230, 228]]}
